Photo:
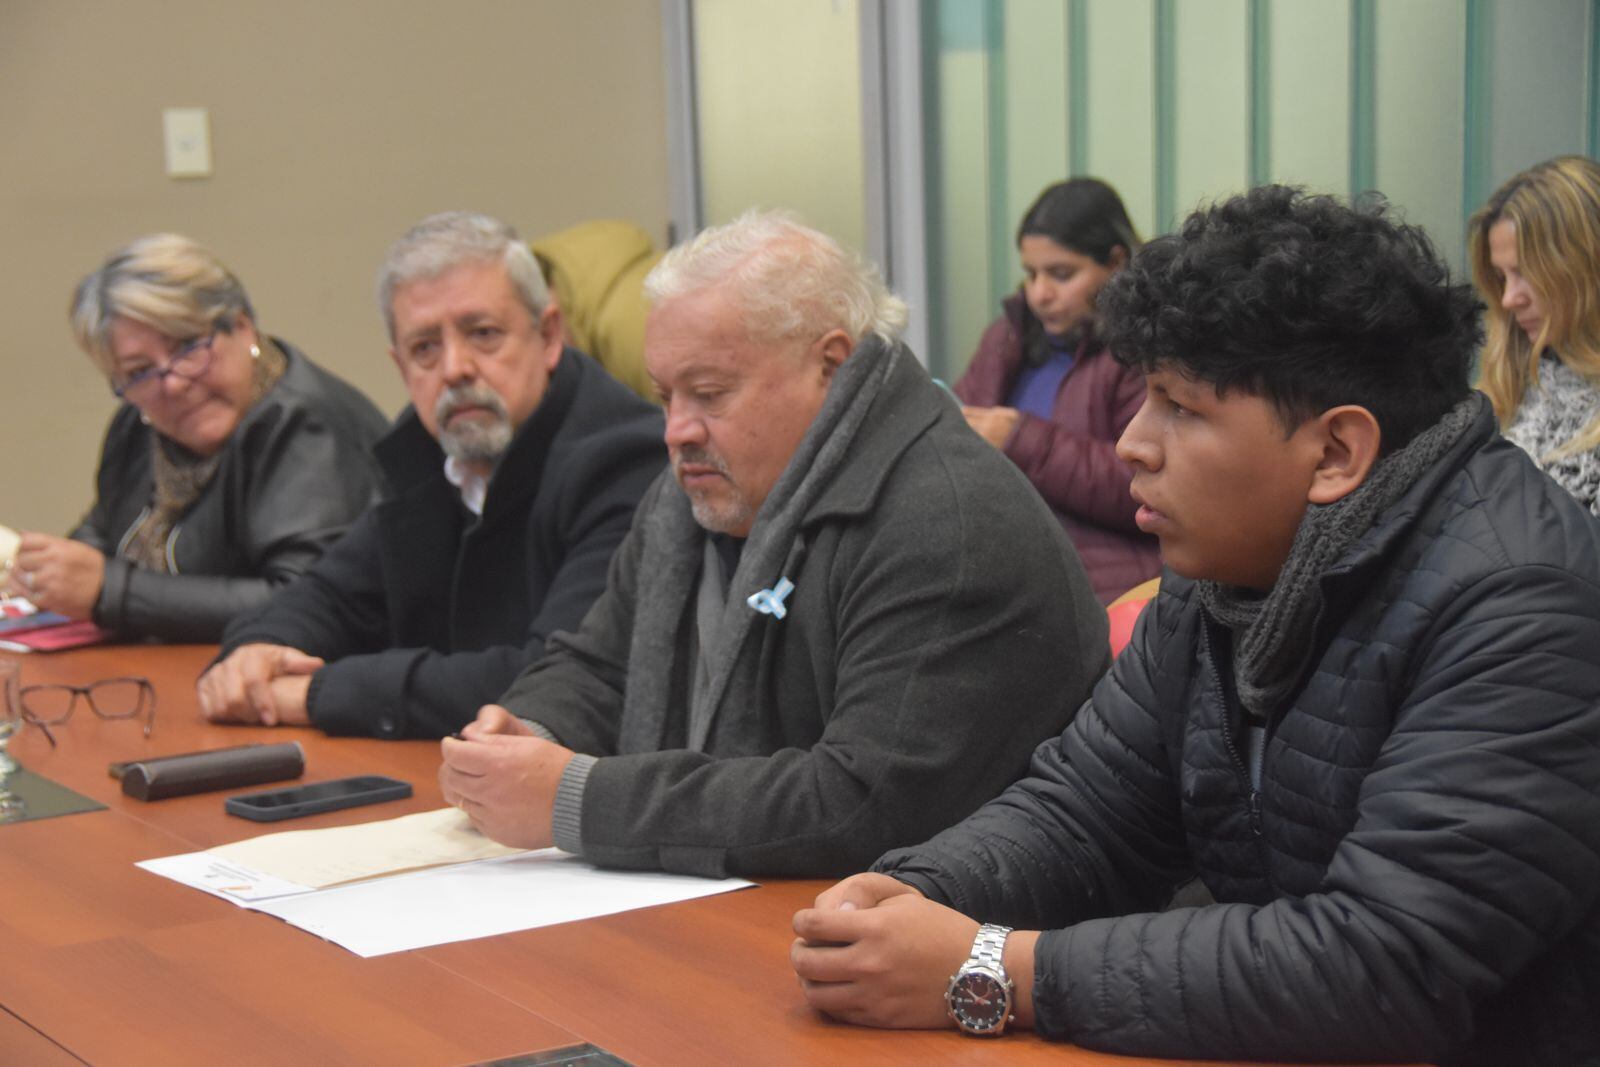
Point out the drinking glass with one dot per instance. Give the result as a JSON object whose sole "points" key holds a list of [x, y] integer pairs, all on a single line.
{"points": [[10, 709], [10, 723]]}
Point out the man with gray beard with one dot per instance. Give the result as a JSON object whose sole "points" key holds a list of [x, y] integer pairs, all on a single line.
{"points": [[509, 483]]}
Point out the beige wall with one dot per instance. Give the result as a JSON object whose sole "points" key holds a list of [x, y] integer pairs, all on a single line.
{"points": [[334, 126]]}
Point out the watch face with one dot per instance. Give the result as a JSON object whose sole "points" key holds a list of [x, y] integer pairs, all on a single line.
{"points": [[979, 1002]]}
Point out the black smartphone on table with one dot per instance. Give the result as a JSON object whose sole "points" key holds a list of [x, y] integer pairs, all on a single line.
{"points": [[275, 804]]}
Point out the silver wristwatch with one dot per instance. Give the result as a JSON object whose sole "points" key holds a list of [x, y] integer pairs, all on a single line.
{"points": [[980, 995]]}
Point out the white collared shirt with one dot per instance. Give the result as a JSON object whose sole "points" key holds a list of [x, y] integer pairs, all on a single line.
{"points": [[472, 485]]}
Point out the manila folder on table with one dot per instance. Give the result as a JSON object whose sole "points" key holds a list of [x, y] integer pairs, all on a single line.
{"points": [[318, 859]]}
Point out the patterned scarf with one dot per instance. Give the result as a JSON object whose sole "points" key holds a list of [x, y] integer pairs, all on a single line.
{"points": [[1554, 413], [180, 476]]}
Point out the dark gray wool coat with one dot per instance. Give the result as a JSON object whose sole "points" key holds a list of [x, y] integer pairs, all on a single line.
{"points": [[1417, 876], [940, 626]]}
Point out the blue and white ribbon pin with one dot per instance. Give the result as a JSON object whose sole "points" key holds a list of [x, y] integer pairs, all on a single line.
{"points": [[770, 601]]}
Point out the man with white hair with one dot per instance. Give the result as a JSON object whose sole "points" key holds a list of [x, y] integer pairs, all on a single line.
{"points": [[842, 621], [510, 481]]}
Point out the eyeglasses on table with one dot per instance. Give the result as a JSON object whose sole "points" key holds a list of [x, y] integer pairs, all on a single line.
{"points": [[110, 698]]}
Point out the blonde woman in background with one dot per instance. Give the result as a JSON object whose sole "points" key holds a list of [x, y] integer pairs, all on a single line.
{"points": [[231, 464], [1535, 250]]}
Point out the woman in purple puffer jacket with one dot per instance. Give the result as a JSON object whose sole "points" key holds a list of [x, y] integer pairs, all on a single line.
{"points": [[1045, 391]]}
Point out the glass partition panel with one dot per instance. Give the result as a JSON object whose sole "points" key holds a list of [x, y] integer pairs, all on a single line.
{"points": [[1537, 53], [961, 142], [1210, 144], [778, 88], [1418, 94], [1308, 98], [1119, 52]]}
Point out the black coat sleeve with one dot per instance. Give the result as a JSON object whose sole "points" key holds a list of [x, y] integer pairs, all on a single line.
{"points": [[1052, 858], [428, 693], [336, 609]]}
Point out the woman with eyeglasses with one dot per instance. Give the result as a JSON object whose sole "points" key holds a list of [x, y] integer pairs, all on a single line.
{"points": [[1535, 251], [233, 462]]}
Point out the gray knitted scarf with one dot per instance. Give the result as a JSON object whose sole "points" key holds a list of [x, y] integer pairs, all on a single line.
{"points": [[1272, 634], [673, 554]]}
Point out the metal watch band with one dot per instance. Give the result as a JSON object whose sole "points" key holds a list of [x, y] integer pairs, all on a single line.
{"points": [[990, 945]]}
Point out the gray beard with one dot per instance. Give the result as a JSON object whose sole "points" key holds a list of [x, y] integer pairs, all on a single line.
{"points": [[473, 440], [720, 519], [477, 443]]}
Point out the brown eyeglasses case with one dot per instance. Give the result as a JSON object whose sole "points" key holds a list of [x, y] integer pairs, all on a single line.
{"points": [[202, 772]]}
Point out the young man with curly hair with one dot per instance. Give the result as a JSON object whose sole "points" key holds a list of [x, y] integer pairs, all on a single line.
{"points": [[1364, 709]]}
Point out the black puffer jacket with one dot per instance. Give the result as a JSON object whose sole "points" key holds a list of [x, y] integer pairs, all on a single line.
{"points": [[295, 473], [1417, 877]]}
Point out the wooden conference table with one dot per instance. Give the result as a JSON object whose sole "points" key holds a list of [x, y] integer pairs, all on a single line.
{"points": [[103, 963]]}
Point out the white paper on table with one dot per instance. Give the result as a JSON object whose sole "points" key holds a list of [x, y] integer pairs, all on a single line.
{"points": [[444, 904], [495, 896], [339, 854], [222, 878]]}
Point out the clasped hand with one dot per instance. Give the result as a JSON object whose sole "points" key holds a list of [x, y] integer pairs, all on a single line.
{"points": [[259, 684], [873, 951], [504, 777]]}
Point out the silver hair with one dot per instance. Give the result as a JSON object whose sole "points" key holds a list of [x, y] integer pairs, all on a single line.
{"points": [[444, 241], [167, 282], [789, 280]]}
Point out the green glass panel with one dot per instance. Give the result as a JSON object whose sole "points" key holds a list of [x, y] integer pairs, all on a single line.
{"points": [[1309, 93], [960, 273], [1035, 105], [1121, 106], [1212, 102], [1537, 106], [1418, 80]]}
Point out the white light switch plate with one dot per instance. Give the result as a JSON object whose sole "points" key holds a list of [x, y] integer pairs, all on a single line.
{"points": [[188, 131]]}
